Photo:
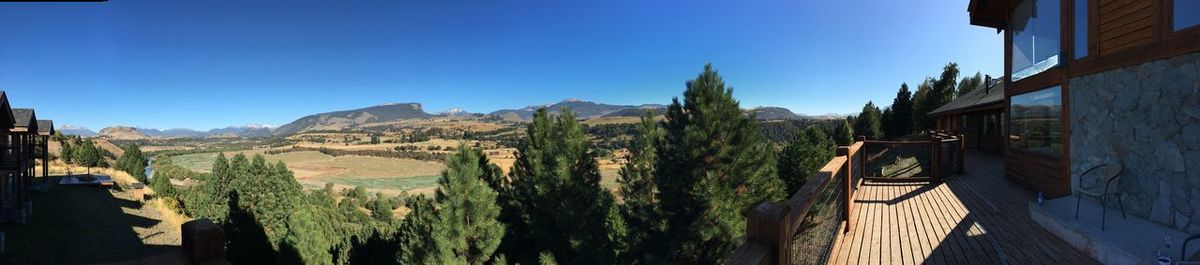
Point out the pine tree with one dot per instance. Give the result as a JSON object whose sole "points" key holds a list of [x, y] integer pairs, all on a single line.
{"points": [[466, 230], [558, 205], [902, 111], [888, 119], [67, 154], [711, 165], [868, 122], [803, 156], [843, 135], [133, 162], [636, 186], [88, 155], [413, 234]]}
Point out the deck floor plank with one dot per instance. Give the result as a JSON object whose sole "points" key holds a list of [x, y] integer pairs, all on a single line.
{"points": [[974, 218]]}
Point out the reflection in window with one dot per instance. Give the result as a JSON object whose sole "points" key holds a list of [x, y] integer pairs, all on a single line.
{"points": [[1037, 122], [1081, 28], [1035, 43], [1187, 13]]}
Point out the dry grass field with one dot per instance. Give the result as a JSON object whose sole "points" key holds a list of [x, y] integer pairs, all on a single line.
{"points": [[314, 169]]}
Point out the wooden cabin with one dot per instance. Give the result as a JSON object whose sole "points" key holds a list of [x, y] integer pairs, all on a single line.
{"points": [[1091, 82], [978, 115], [8, 163], [22, 136], [42, 150]]}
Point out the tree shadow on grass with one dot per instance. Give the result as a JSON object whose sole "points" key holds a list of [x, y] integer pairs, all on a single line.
{"points": [[78, 225]]}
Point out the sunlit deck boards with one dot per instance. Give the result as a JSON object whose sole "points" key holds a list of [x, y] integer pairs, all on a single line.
{"points": [[973, 218]]}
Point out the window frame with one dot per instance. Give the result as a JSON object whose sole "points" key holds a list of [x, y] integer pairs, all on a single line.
{"points": [[1011, 137], [1061, 39]]}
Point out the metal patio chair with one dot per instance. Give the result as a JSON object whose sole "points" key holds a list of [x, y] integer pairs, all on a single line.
{"points": [[1098, 192]]}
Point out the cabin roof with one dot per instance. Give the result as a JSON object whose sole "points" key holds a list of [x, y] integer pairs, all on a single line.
{"points": [[989, 97], [45, 127], [991, 13], [23, 118], [6, 115]]}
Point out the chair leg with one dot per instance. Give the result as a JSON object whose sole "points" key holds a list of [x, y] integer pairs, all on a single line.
{"points": [[1122, 203], [1077, 205], [1103, 212]]}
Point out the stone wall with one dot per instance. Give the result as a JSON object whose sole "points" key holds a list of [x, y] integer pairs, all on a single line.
{"points": [[1146, 117]]}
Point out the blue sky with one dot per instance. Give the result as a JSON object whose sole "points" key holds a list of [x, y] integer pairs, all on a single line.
{"points": [[208, 64]]}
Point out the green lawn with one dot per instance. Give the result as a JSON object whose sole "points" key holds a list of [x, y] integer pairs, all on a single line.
{"points": [[397, 183]]}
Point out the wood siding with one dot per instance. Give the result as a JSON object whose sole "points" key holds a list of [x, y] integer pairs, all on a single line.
{"points": [[1124, 24]]}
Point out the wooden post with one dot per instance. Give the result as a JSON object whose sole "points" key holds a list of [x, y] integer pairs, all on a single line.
{"points": [[934, 156], [848, 199], [862, 166], [203, 241], [766, 224], [962, 153]]}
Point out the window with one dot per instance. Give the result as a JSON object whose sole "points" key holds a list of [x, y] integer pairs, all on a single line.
{"points": [[1187, 13], [1036, 125], [1035, 37], [1081, 28]]}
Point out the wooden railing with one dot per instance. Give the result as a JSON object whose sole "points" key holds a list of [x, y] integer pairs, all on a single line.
{"points": [[770, 226]]}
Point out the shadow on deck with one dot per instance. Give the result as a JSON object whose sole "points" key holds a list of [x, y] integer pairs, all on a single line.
{"points": [[973, 218]]}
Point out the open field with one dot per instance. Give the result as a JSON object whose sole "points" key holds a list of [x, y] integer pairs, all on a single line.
{"points": [[314, 169]]}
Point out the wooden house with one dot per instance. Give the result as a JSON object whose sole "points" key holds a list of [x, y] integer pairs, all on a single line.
{"points": [[22, 136], [1091, 82], [978, 115], [42, 150]]}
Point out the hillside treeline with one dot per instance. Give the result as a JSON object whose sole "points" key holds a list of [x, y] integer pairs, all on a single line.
{"points": [[681, 196]]}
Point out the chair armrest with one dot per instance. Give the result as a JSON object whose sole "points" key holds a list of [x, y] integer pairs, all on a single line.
{"points": [[1183, 251], [1108, 183]]}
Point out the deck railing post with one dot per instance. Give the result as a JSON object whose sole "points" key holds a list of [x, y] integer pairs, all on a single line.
{"points": [[767, 224], [862, 166], [848, 199], [935, 158], [962, 150]]}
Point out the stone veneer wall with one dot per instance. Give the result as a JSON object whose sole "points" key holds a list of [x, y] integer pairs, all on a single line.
{"points": [[1146, 117]]}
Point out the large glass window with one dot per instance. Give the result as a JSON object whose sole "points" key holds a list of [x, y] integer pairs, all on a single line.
{"points": [[1037, 122], [1187, 13], [1081, 28], [1035, 41]]}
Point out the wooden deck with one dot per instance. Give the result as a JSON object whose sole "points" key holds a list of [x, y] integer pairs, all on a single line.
{"points": [[973, 218]]}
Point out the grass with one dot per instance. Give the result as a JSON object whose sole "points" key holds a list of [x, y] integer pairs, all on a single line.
{"points": [[83, 225], [405, 183], [313, 169]]}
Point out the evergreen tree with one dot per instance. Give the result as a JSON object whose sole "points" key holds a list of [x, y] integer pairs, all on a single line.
{"points": [[88, 155], [636, 186], [923, 101], [902, 112], [413, 234], [67, 154], [803, 156], [466, 231], [868, 122], [133, 162], [888, 119], [558, 204], [711, 165], [843, 135]]}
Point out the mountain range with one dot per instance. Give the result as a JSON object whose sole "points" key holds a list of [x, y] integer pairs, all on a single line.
{"points": [[339, 120]]}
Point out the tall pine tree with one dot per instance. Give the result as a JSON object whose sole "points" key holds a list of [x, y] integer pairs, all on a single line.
{"points": [[559, 204], [803, 156], [868, 122], [636, 186], [902, 112], [711, 165], [466, 230]]}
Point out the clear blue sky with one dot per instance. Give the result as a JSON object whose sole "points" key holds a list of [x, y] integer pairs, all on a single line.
{"points": [[207, 64]]}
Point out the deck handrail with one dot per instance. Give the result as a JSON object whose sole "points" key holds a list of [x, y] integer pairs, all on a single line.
{"points": [[771, 225]]}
